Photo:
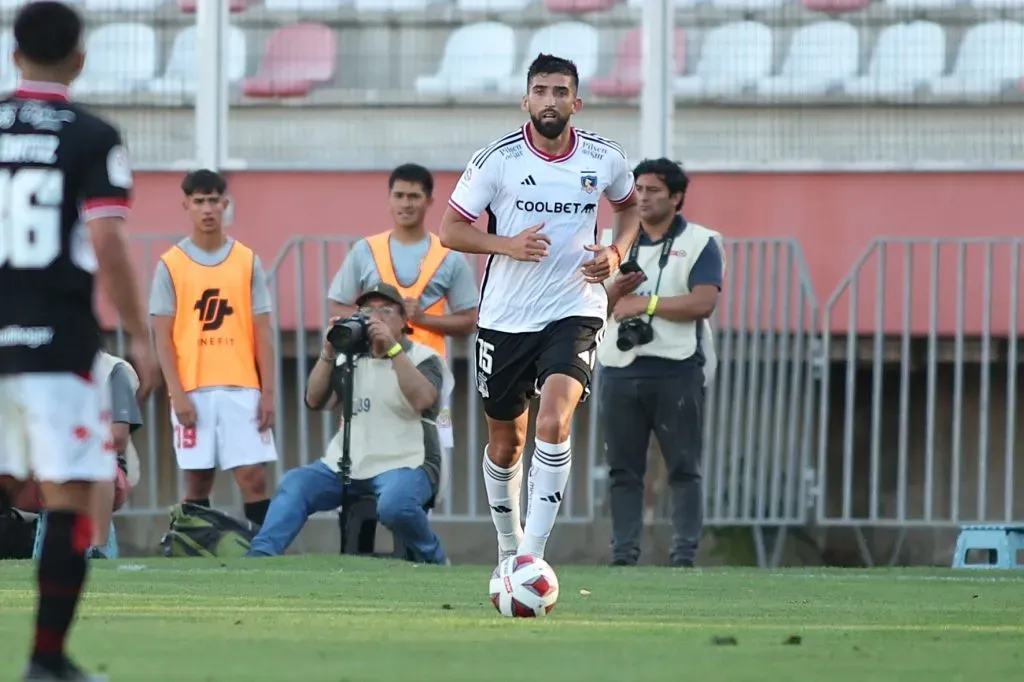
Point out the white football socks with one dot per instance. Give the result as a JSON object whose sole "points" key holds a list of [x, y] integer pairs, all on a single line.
{"points": [[504, 491], [549, 474]]}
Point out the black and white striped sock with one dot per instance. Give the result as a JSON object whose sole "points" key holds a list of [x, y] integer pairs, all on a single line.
{"points": [[504, 490], [549, 475]]}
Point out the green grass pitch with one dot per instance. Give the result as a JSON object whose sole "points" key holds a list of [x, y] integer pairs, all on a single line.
{"points": [[335, 619]]}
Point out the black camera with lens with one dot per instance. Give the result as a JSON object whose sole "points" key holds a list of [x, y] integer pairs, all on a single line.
{"points": [[350, 336], [634, 332]]}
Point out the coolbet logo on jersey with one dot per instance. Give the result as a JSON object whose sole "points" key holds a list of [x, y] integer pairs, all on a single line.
{"points": [[519, 186], [212, 310], [571, 207]]}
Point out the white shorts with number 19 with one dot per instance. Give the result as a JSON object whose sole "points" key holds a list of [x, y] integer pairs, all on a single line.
{"points": [[51, 428], [226, 431]]}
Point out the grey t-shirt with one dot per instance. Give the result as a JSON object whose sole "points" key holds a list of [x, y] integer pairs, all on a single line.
{"points": [[453, 280], [123, 406], [161, 296]]}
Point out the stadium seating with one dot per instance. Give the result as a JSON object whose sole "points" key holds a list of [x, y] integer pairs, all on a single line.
{"points": [[297, 58], [776, 50], [189, 6], [122, 59], [835, 6], [578, 6], [492, 5], [120, 5], [991, 57], [302, 5], [734, 57], [182, 68], [625, 78], [476, 58], [573, 39], [907, 57], [391, 5], [822, 56]]}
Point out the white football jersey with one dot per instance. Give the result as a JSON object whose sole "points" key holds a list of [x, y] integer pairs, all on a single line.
{"points": [[520, 186]]}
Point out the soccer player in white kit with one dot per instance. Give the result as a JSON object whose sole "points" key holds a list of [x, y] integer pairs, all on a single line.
{"points": [[543, 306]]}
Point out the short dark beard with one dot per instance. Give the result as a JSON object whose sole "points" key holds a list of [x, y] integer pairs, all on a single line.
{"points": [[549, 129]]}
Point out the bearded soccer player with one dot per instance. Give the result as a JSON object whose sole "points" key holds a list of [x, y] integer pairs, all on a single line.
{"points": [[542, 304], [65, 185]]}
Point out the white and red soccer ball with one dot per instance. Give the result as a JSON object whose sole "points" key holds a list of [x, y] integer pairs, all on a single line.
{"points": [[524, 587]]}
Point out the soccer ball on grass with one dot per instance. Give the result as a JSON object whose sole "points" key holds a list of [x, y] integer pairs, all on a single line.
{"points": [[524, 587]]}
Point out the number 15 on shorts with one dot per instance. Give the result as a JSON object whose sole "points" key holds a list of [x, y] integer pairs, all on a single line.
{"points": [[484, 366]]}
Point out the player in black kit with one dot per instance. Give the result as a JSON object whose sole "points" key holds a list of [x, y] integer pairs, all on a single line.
{"points": [[65, 186]]}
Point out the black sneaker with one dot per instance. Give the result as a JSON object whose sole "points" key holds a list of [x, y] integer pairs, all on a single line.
{"points": [[95, 553], [68, 672], [623, 562]]}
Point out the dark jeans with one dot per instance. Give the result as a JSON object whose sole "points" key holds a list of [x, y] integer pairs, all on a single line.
{"points": [[401, 495], [673, 409]]}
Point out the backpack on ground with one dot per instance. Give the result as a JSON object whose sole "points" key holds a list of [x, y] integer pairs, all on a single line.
{"points": [[17, 534], [202, 532]]}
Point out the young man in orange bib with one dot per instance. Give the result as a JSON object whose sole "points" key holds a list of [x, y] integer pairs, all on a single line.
{"points": [[428, 275], [210, 306]]}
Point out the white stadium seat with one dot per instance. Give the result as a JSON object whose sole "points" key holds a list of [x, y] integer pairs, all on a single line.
{"points": [[991, 55], [303, 5], [906, 57], [391, 5], [734, 56], [493, 5], [750, 5], [477, 58], [180, 76], [120, 58], [573, 40], [920, 4], [821, 56], [677, 4], [997, 4], [120, 5]]}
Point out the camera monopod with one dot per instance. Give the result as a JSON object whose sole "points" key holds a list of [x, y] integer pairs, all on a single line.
{"points": [[345, 463]]}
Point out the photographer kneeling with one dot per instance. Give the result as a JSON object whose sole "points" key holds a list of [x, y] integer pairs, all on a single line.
{"points": [[395, 451], [652, 361]]}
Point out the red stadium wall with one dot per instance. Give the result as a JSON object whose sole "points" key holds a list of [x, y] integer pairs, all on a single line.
{"points": [[834, 216]]}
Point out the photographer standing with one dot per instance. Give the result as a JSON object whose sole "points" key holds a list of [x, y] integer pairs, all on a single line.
{"points": [[652, 376], [395, 449]]}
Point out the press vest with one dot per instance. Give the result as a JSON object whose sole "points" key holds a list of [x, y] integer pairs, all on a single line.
{"points": [[380, 247], [672, 340], [106, 364], [387, 431], [708, 340], [214, 337]]}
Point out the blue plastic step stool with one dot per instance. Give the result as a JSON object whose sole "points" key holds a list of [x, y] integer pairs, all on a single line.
{"points": [[1003, 543], [110, 551]]}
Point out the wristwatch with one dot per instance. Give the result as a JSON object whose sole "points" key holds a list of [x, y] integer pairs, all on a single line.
{"points": [[394, 350]]}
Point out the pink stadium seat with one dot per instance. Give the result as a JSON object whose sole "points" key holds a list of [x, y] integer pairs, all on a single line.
{"points": [[579, 6], [297, 58], [625, 79], [835, 6], [189, 6]]}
